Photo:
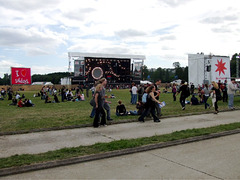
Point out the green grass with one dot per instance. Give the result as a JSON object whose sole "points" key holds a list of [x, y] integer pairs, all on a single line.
{"points": [[77, 113], [26, 159]]}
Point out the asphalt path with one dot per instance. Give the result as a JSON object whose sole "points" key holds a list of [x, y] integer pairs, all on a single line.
{"points": [[34, 143], [209, 159]]}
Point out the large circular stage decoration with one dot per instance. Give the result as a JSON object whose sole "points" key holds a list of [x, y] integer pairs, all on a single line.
{"points": [[97, 73]]}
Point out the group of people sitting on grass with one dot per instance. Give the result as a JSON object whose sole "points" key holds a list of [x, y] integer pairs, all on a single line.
{"points": [[19, 100]]}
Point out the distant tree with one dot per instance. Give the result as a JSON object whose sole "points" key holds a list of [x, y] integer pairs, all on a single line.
{"points": [[145, 72], [185, 73], [55, 78], [176, 65], [5, 80]]}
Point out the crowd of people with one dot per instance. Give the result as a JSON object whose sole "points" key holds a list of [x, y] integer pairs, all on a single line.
{"points": [[145, 97], [224, 91], [16, 98]]}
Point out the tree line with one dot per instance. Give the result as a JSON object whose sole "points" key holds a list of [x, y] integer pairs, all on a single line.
{"points": [[165, 74]]}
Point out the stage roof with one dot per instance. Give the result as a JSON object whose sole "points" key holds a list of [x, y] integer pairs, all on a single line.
{"points": [[126, 56]]}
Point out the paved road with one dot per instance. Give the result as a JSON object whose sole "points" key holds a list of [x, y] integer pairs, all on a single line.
{"points": [[210, 159], [52, 140]]}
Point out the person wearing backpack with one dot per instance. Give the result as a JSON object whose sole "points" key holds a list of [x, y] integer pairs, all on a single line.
{"points": [[150, 105], [185, 92]]}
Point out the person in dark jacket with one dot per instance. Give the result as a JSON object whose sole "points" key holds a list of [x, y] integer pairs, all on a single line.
{"points": [[150, 105], [99, 107], [121, 109], [216, 90], [184, 93]]}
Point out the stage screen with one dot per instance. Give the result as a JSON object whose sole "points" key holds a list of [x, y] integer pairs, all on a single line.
{"points": [[21, 75], [115, 70]]}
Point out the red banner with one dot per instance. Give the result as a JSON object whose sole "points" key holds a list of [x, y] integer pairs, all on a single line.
{"points": [[21, 75]]}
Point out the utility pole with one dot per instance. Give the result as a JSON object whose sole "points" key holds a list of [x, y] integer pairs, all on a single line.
{"points": [[237, 66]]}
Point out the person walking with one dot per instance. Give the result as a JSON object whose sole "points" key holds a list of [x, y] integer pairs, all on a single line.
{"points": [[99, 108], [185, 92], [216, 90], [150, 105], [174, 91], [106, 106], [206, 94], [156, 95], [231, 92]]}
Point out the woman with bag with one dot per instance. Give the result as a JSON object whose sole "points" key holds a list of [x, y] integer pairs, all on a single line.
{"points": [[99, 108], [216, 90], [150, 105]]}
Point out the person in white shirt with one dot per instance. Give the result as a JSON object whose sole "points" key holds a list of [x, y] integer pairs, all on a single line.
{"points": [[134, 94]]}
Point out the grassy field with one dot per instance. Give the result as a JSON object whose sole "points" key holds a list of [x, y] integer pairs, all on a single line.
{"points": [[61, 114]]}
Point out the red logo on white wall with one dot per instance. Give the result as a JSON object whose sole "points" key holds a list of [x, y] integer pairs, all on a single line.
{"points": [[220, 67]]}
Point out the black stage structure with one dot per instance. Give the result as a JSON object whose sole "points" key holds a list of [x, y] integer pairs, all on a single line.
{"points": [[117, 69]]}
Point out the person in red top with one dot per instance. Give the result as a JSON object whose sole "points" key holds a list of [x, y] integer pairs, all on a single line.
{"points": [[20, 103]]}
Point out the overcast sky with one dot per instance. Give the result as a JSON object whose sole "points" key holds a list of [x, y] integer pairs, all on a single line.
{"points": [[39, 33]]}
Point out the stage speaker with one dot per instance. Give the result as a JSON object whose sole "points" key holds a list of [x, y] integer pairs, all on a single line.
{"points": [[97, 73], [209, 68]]}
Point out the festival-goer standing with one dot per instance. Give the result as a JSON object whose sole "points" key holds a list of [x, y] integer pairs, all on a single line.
{"points": [[174, 91], [206, 94], [10, 93], [156, 95], [106, 106], [87, 90], [216, 90], [150, 105], [184, 93], [134, 93], [63, 93], [140, 92], [231, 92], [192, 88], [224, 91], [99, 107]]}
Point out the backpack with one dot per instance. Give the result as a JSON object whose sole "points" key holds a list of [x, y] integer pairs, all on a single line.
{"points": [[144, 97]]}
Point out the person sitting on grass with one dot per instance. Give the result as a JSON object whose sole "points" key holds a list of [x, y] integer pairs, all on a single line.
{"points": [[17, 95], [47, 99], [69, 95], [14, 102], [1, 98], [20, 103], [28, 103], [121, 109], [140, 109], [194, 100], [56, 98]]}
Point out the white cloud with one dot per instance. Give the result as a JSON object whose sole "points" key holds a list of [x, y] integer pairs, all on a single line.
{"points": [[163, 30], [26, 5], [47, 69], [32, 40], [129, 33], [6, 64]]}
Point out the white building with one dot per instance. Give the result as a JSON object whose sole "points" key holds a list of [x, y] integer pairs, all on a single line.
{"points": [[207, 68]]}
